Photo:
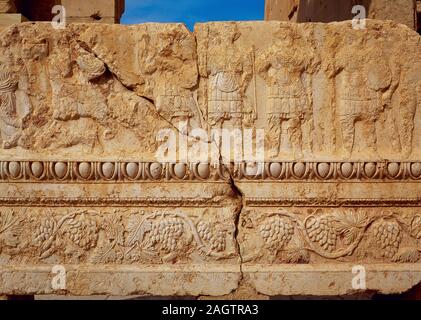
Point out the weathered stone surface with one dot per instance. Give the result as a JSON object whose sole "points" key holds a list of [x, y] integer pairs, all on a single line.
{"points": [[7, 19], [281, 10], [81, 186], [99, 11], [402, 11]]}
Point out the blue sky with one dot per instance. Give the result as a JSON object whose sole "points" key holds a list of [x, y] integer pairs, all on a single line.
{"points": [[192, 11]]}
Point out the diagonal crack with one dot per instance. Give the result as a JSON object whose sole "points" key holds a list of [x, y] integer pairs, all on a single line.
{"points": [[237, 192]]}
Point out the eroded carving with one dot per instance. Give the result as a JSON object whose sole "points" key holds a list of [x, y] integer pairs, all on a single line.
{"points": [[287, 70], [341, 234], [128, 236], [81, 186], [15, 108]]}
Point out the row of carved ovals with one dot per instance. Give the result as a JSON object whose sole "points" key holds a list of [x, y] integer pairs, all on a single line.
{"points": [[132, 171], [111, 171], [340, 170], [330, 171]]}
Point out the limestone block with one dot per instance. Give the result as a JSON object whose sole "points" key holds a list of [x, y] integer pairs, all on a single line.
{"points": [[402, 11], [7, 19], [98, 10], [104, 11], [281, 10], [84, 194]]}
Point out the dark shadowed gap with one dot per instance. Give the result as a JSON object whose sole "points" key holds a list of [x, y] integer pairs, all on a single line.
{"points": [[325, 10], [37, 10]]}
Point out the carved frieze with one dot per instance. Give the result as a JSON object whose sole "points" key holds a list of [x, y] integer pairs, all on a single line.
{"points": [[85, 111]]}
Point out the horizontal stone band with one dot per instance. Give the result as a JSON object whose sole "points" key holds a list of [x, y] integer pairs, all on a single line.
{"points": [[154, 171]]}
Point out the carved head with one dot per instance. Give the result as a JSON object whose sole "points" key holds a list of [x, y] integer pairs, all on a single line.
{"points": [[226, 34], [287, 34]]}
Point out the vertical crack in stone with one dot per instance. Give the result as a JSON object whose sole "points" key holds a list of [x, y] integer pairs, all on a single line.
{"points": [[236, 191], [237, 220]]}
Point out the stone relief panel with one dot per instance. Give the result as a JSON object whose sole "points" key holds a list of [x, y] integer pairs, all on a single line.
{"points": [[227, 71], [317, 91], [106, 171], [288, 75], [117, 236], [322, 235], [15, 109], [80, 113], [72, 99]]}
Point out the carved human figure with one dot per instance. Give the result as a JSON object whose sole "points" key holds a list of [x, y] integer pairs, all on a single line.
{"points": [[289, 99], [229, 71], [365, 87], [176, 104], [15, 107], [409, 91], [173, 88]]}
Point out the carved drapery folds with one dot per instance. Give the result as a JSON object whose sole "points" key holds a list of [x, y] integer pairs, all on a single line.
{"points": [[81, 110]]}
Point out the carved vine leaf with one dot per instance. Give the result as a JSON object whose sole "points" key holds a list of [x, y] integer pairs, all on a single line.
{"points": [[407, 255], [416, 227], [105, 254], [159, 236], [350, 223], [111, 249], [169, 233], [333, 235], [137, 228], [10, 228], [297, 256], [114, 229]]}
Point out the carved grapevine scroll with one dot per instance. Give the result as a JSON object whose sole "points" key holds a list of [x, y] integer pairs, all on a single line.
{"points": [[137, 237], [291, 238]]}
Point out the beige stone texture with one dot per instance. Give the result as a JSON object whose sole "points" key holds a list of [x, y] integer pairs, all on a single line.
{"points": [[105, 11], [402, 11], [81, 187], [281, 10], [7, 19], [7, 6]]}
